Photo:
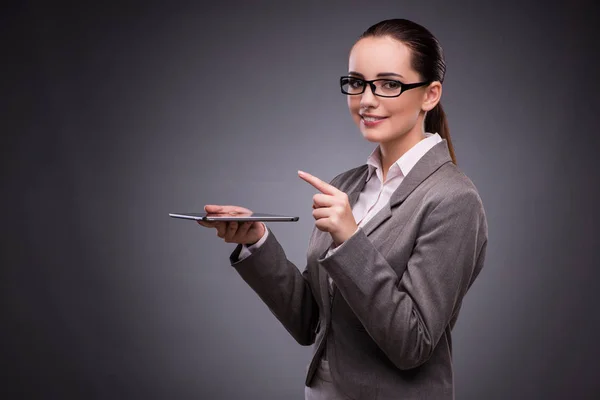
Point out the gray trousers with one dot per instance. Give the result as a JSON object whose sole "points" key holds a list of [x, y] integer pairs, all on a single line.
{"points": [[322, 386]]}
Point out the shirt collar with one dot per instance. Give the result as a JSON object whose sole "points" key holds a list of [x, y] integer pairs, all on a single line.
{"points": [[408, 159]]}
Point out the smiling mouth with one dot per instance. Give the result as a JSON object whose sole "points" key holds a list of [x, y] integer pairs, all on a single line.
{"points": [[371, 119]]}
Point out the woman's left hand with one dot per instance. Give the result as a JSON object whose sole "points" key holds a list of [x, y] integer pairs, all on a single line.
{"points": [[331, 210]]}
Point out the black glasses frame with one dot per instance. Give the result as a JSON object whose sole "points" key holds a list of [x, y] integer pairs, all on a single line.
{"points": [[403, 86]]}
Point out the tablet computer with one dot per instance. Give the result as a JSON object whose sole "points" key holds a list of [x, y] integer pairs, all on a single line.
{"points": [[241, 217]]}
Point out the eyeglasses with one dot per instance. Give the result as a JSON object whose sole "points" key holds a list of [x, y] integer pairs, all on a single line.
{"points": [[380, 87]]}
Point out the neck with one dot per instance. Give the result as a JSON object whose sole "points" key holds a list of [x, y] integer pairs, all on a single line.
{"points": [[391, 151]]}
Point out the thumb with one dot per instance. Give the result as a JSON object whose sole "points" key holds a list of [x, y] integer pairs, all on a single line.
{"points": [[211, 209]]}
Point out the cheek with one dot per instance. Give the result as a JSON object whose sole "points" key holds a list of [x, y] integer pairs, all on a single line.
{"points": [[403, 115], [352, 103], [353, 106], [403, 109]]}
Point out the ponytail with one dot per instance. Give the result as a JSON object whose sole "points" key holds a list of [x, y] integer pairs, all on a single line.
{"points": [[435, 121]]}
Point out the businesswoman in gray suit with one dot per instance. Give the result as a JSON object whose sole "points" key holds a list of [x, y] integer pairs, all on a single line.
{"points": [[397, 242]]}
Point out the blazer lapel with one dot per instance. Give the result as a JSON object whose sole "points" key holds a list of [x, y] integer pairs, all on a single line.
{"points": [[354, 187], [427, 165]]}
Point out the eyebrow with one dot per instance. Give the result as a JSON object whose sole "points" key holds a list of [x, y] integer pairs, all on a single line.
{"points": [[379, 75]]}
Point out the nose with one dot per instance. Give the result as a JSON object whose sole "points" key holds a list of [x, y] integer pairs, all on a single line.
{"points": [[368, 98]]}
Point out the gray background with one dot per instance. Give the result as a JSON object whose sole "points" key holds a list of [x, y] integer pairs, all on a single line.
{"points": [[115, 116]]}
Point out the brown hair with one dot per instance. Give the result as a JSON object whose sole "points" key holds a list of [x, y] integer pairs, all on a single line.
{"points": [[427, 60]]}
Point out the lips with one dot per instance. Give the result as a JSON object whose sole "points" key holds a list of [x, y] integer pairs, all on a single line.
{"points": [[371, 120]]}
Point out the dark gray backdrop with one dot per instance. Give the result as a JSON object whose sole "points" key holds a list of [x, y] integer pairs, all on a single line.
{"points": [[115, 116]]}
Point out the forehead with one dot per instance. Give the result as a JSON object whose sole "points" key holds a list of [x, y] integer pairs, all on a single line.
{"points": [[373, 55]]}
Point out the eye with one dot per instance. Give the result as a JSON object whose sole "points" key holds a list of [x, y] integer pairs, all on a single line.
{"points": [[355, 83], [391, 85]]}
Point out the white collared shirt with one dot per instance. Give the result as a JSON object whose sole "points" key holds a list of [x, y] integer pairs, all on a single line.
{"points": [[376, 193]]}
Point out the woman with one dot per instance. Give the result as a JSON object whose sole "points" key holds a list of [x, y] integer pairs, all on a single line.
{"points": [[397, 241]]}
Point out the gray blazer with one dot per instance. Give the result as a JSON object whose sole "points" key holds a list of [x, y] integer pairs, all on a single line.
{"points": [[399, 284]]}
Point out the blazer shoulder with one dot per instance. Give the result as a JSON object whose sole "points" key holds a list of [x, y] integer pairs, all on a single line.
{"points": [[453, 193], [451, 183]]}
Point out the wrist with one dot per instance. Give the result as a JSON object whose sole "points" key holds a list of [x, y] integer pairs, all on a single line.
{"points": [[339, 239], [261, 231]]}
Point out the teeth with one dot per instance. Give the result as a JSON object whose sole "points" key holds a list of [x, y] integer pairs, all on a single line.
{"points": [[372, 119]]}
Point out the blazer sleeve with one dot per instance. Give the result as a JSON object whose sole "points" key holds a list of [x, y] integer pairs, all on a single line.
{"points": [[407, 315], [282, 287]]}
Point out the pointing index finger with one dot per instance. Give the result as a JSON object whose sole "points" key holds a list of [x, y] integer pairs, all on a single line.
{"points": [[321, 186]]}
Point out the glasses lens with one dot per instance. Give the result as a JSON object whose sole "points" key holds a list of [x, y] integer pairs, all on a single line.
{"points": [[388, 88], [352, 85]]}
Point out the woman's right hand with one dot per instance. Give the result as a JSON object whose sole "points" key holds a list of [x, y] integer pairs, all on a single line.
{"points": [[246, 233]]}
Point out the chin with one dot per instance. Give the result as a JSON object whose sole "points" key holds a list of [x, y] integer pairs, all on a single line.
{"points": [[374, 136]]}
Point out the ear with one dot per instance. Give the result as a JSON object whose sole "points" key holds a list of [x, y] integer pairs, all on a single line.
{"points": [[432, 96]]}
